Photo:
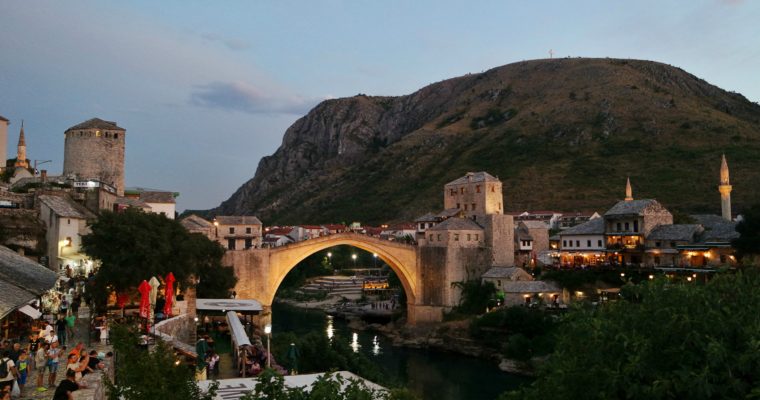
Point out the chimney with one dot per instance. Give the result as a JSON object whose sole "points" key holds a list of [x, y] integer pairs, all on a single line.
{"points": [[43, 175]]}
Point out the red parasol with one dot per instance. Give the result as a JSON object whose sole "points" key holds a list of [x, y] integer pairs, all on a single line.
{"points": [[169, 294], [144, 290]]}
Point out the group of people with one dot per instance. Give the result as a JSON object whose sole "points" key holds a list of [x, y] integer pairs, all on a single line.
{"points": [[44, 356]]}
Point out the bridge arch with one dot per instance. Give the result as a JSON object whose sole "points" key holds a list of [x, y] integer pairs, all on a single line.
{"points": [[400, 257], [261, 271]]}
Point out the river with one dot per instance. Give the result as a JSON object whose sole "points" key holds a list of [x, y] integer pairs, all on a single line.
{"points": [[429, 374]]}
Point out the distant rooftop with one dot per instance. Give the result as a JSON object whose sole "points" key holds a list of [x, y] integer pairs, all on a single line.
{"points": [[481, 176], [21, 280], [65, 207], [237, 220], [591, 227], [457, 224], [681, 232], [96, 123], [634, 207], [194, 222], [157, 197]]}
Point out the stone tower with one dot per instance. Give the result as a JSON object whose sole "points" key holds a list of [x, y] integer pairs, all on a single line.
{"points": [[476, 194], [21, 150], [3, 141], [94, 150], [628, 190], [725, 190]]}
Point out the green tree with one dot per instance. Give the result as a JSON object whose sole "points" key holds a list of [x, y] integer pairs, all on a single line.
{"points": [[134, 245], [748, 244], [137, 370], [666, 341], [476, 296]]}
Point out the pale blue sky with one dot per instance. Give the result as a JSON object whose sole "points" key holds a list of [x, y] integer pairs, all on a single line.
{"points": [[205, 89]]}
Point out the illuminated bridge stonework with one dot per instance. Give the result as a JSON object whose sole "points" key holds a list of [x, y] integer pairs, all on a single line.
{"points": [[260, 271]]}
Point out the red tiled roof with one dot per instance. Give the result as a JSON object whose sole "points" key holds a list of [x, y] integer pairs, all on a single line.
{"points": [[335, 227], [279, 231]]}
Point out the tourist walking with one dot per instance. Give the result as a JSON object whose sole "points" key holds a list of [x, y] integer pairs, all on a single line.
{"points": [[67, 387], [23, 371], [60, 328], [8, 371], [41, 364], [52, 355]]}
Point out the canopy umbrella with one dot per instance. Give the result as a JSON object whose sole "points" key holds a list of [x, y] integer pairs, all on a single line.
{"points": [[144, 290], [154, 284], [169, 294]]}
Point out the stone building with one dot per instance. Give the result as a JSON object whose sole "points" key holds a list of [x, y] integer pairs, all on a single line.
{"points": [[196, 224], [629, 222], [583, 244], [66, 223], [94, 150], [238, 232], [476, 194], [531, 239]]}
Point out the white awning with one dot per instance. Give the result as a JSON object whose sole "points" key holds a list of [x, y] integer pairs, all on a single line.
{"points": [[239, 336], [224, 305], [30, 311]]}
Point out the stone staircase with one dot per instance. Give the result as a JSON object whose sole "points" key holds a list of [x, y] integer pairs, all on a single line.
{"points": [[335, 285]]}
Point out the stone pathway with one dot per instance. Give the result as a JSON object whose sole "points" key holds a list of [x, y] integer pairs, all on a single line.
{"points": [[81, 329]]}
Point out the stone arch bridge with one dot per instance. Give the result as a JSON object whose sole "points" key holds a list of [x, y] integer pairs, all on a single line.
{"points": [[261, 271]]}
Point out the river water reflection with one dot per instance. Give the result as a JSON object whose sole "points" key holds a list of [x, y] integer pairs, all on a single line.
{"points": [[427, 373]]}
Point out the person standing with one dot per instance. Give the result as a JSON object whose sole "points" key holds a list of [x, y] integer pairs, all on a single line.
{"points": [[52, 355], [60, 328], [41, 364], [23, 371], [7, 371], [67, 387]]}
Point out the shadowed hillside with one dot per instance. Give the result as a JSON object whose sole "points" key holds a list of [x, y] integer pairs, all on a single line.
{"points": [[561, 134]]}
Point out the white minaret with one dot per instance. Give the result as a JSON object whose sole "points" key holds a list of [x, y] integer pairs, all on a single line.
{"points": [[628, 190], [725, 190]]}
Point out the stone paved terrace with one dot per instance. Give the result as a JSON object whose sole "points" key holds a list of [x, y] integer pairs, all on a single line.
{"points": [[95, 390]]}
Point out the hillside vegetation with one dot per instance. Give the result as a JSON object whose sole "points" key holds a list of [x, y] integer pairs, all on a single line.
{"points": [[561, 134]]}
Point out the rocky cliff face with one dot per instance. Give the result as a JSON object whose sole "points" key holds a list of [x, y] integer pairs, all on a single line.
{"points": [[562, 134]]}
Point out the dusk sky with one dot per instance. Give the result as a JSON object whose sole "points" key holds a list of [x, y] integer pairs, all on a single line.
{"points": [[205, 89]]}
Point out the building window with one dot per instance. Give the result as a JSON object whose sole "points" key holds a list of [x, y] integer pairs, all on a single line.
{"points": [[498, 282], [431, 238], [232, 229], [115, 135], [68, 221], [599, 243], [248, 243], [577, 243], [477, 189], [635, 226], [499, 206], [626, 227], [458, 205], [456, 237], [248, 230], [477, 237], [588, 243], [493, 188], [439, 237], [231, 243], [619, 228], [452, 192], [473, 206], [461, 190], [468, 237], [657, 244], [465, 207], [564, 243]]}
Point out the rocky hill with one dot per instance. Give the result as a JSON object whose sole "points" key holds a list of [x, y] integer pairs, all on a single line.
{"points": [[561, 134]]}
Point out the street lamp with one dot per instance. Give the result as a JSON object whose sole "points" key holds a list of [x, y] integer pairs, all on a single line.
{"points": [[374, 255], [353, 257], [216, 228], [268, 331]]}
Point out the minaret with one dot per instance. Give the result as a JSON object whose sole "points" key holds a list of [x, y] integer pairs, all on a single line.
{"points": [[628, 190], [21, 153], [725, 190]]}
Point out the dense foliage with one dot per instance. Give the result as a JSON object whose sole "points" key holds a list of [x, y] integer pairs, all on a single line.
{"points": [[476, 297], [519, 332], [271, 386], [664, 341], [133, 246], [748, 244], [137, 371]]}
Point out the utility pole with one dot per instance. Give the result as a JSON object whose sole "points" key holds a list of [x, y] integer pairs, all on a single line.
{"points": [[551, 53]]}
